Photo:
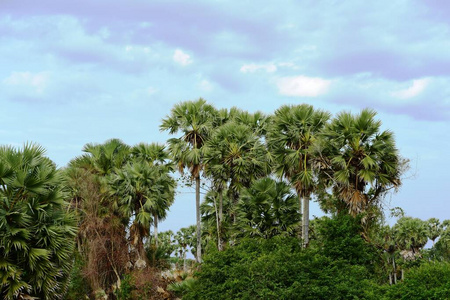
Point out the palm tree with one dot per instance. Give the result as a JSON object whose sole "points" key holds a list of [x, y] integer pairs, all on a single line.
{"points": [[194, 120], [101, 239], [37, 234], [156, 156], [235, 155], [291, 136], [266, 209], [185, 238], [361, 161], [144, 193], [411, 235]]}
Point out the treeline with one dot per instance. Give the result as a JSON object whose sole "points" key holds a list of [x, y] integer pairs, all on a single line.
{"points": [[91, 228]]}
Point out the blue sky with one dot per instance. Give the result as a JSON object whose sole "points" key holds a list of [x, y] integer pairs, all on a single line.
{"points": [[73, 72]]}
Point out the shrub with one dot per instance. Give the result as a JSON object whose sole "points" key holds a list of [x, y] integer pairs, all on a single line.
{"points": [[279, 269], [429, 281]]}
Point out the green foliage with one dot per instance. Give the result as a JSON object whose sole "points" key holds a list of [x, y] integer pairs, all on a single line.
{"points": [[278, 268], [267, 208], [429, 281], [361, 161], [441, 249], [411, 233], [183, 287], [126, 288], [78, 287], [340, 238], [36, 231]]}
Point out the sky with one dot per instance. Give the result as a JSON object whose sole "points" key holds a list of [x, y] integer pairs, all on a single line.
{"points": [[75, 72]]}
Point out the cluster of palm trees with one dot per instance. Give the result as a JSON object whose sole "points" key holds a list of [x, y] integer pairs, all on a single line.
{"points": [[347, 162], [261, 170], [119, 192], [404, 242]]}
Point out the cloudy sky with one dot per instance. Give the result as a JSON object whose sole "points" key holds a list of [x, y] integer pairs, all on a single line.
{"points": [[73, 72]]}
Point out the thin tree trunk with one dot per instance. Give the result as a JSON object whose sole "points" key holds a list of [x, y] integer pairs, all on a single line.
{"points": [[305, 222], [300, 212], [395, 270], [234, 206], [155, 216], [220, 219], [184, 260], [199, 228], [217, 224], [403, 274]]}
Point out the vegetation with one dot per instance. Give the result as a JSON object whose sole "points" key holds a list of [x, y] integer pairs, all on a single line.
{"points": [[91, 229], [36, 230]]}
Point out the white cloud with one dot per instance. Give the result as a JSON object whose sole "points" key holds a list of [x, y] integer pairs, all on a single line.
{"points": [[205, 85], [182, 58], [38, 81], [302, 86], [250, 68], [417, 87]]}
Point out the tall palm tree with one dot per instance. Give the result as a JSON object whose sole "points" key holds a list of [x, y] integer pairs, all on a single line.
{"points": [[37, 234], [101, 238], [157, 157], [235, 155], [292, 133], [215, 166], [361, 161], [144, 194], [194, 120]]}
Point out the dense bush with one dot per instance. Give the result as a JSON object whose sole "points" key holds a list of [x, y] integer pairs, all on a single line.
{"points": [[429, 281], [279, 268]]}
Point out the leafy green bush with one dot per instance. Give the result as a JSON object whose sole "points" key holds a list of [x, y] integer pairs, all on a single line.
{"points": [[278, 268], [429, 281], [340, 238]]}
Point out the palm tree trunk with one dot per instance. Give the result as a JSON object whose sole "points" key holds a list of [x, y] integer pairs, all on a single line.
{"points": [[217, 223], [155, 217], [305, 222], [199, 228], [184, 261], [219, 229], [395, 270], [233, 207], [300, 199]]}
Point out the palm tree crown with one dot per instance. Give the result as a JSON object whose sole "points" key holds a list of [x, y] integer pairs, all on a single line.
{"points": [[362, 161], [36, 232]]}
